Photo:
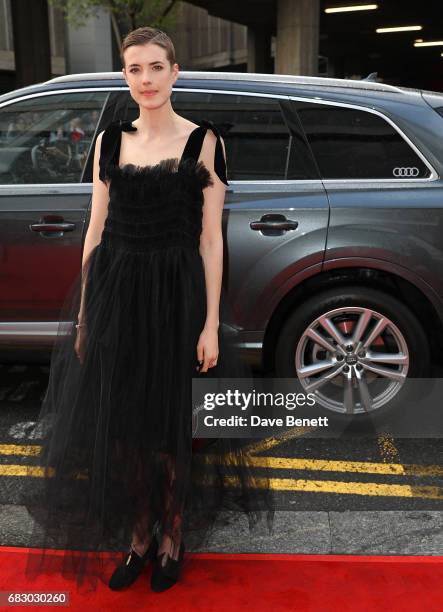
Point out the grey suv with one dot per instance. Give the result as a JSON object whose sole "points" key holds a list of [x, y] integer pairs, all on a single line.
{"points": [[333, 221]]}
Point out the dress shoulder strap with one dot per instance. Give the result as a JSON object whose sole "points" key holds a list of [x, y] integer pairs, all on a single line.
{"points": [[111, 141], [194, 146], [110, 146]]}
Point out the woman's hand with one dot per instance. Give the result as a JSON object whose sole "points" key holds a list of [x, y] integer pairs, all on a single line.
{"points": [[207, 348], [80, 342]]}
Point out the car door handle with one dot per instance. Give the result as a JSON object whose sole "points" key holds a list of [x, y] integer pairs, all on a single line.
{"points": [[273, 223], [62, 226], [277, 225]]}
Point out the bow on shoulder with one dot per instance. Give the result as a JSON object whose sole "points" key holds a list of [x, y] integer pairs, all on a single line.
{"points": [[126, 125], [110, 143]]}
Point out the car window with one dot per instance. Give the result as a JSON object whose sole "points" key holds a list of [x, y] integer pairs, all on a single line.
{"points": [[348, 143], [46, 139], [259, 144]]}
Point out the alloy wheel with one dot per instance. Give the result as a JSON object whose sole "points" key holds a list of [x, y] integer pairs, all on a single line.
{"points": [[354, 359]]}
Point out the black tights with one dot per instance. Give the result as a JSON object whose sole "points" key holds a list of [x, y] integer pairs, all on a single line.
{"points": [[169, 522]]}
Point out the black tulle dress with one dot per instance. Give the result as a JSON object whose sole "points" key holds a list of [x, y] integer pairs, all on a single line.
{"points": [[115, 430]]}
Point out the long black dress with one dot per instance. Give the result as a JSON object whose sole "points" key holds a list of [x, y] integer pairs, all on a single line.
{"points": [[115, 429]]}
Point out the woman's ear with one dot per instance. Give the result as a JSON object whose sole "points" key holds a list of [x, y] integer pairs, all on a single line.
{"points": [[176, 68]]}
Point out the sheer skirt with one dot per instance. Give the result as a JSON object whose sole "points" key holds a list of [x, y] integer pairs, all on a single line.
{"points": [[117, 455]]}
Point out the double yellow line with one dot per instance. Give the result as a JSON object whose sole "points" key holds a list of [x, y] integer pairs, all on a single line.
{"points": [[370, 489], [295, 464], [387, 449]]}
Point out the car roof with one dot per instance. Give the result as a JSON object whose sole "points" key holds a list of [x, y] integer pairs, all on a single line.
{"points": [[284, 84], [242, 76]]}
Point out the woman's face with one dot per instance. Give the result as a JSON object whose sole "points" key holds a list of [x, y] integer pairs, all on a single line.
{"points": [[149, 74]]}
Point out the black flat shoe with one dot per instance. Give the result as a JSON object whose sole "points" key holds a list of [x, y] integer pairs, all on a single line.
{"points": [[164, 577], [129, 570]]}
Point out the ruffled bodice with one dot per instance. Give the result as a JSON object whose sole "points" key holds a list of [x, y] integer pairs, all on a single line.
{"points": [[157, 206]]}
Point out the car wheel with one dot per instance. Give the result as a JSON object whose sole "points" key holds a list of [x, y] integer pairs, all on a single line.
{"points": [[353, 348]]}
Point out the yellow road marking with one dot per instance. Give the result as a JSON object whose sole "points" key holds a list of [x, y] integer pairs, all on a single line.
{"points": [[286, 463], [34, 471], [262, 445], [327, 465], [387, 448], [288, 484], [290, 463], [346, 488], [271, 442], [370, 489], [20, 449], [348, 466], [21, 470]]}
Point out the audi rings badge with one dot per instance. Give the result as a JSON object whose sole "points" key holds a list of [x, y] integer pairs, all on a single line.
{"points": [[406, 172]]}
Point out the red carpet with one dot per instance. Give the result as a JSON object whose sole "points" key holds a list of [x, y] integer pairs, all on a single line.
{"points": [[220, 582]]}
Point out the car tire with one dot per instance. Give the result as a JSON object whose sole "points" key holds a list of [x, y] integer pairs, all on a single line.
{"points": [[350, 301]]}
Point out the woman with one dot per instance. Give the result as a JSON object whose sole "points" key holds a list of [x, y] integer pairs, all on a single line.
{"points": [[119, 465]]}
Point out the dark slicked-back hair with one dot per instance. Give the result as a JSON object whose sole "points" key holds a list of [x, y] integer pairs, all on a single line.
{"points": [[146, 34]]}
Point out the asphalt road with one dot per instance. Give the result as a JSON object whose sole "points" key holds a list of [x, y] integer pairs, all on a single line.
{"points": [[364, 484]]}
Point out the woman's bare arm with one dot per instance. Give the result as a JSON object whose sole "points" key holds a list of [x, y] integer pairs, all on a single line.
{"points": [[211, 250], [211, 239], [99, 212]]}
